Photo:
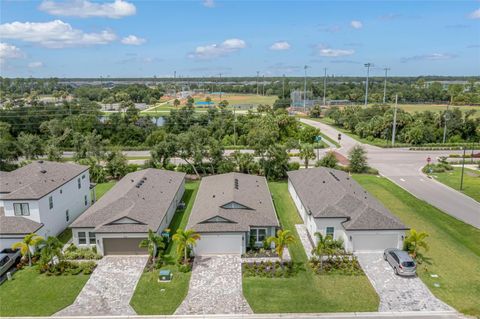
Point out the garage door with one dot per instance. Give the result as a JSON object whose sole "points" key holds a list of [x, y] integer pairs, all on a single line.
{"points": [[374, 242], [215, 244], [123, 246]]}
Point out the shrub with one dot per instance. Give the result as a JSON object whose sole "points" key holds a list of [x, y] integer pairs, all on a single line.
{"points": [[270, 269], [293, 166], [185, 268], [337, 264]]}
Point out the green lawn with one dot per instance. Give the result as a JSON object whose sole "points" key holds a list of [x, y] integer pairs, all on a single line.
{"points": [[65, 235], [102, 188], [149, 299], [306, 292], [454, 245], [32, 294], [471, 181]]}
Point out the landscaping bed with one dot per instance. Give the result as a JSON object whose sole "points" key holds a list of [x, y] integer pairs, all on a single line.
{"points": [[338, 264], [270, 269]]}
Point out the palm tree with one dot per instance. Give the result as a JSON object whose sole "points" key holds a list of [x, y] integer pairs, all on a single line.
{"points": [[30, 241], [51, 247], [281, 241], [414, 241], [307, 153], [185, 239], [153, 242], [323, 247]]}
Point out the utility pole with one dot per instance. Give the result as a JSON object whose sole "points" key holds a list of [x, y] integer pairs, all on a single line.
{"points": [[385, 85], [234, 127], [263, 84], [394, 120], [257, 80], [175, 83], [367, 65], [463, 168], [220, 85], [445, 117], [305, 90], [324, 86], [283, 87]]}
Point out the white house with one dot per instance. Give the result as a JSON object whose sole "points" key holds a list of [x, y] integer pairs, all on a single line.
{"points": [[332, 203], [42, 197], [141, 201], [232, 212]]}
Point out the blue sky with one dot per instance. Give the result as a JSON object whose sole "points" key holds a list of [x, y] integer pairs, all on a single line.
{"points": [[119, 38]]}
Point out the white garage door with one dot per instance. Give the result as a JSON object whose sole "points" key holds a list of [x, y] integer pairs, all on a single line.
{"points": [[222, 243], [374, 242]]}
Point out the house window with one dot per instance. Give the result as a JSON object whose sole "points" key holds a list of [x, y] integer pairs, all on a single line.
{"points": [[258, 235], [67, 215], [83, 176], [21, 209], [79, 181], [330, 231], [86, 200], [91, 238], [82, 239], [61, 191], [50, 202]]}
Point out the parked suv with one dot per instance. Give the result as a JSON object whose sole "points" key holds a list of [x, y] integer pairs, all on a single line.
{"points": [[401, 262], [9, 258]]}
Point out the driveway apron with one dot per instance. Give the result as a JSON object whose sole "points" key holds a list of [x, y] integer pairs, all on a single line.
{"points": [[215, 287], [109, 289], [398, 293]]}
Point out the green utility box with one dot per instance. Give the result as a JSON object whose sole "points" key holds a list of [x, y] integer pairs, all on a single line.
{"points": [[165, 275]]}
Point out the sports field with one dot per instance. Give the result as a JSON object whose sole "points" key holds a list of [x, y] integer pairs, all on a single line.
{"points": [[436, 107]]}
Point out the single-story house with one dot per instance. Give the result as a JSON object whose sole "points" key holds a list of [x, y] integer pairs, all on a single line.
{"points": [[332, 203], [232, 212], [42, 197], [140, 201]]}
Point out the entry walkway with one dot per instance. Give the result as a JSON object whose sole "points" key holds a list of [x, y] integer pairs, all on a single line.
{"points": [[215, 287]]}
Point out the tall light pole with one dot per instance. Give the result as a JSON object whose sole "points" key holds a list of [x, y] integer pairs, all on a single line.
{"points": [[385, 85], [175, 83], [394, 128], [263, 84], [367, 65], [445, 117], [220, 85], [257, 80], [283, 87], [324, 86], [305, 89]]}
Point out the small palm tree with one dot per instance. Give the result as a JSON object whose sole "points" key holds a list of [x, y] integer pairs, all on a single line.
{"points": [[29, 241], [185, 239], [281, 241], [307, 153], [153, 242], [51, 247], [414, 241]]}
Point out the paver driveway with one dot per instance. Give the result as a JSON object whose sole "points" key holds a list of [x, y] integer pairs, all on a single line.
{"points": [[215, 287], [398, 293], [109, 289]]}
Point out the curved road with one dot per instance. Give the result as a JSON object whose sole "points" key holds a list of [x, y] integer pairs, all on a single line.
{"points": [[403, 167]]}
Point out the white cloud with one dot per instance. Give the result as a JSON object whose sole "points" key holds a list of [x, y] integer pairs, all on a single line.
{"points": [[133, 40], [209, 3], [356, 24], [86, 9], [212, 51], [430, 57], [54, 34], [333, 53], [280, 46], [35, 65], [8, 51], [475, 14]]}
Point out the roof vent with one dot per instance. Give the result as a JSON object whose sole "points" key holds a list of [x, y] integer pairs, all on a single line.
{"points": [[323, 182], [144, 178], [213, 196], [131, 180], [236, 183], [43, 171], [334, 176]]}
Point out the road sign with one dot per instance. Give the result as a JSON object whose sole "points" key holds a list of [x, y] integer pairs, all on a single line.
{"points": [[339, 136]]}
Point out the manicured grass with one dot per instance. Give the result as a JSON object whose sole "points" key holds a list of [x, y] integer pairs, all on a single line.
{"points": [[235, 99], [306, 291], [454, 246], [471, 181], [102, 188], [33, 294], [412, 108], [65, 235], [149, 299]]}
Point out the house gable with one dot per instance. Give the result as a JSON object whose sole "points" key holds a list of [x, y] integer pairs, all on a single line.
{"points": [[217, 219], [125, 220], [234, 205]]}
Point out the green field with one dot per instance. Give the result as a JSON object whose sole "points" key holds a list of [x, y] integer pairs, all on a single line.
{"points": [[33, 294], [306, 291], [437, 107], [454, 253], [471, 181], [241, 99], [149, 299], [102, 188]]}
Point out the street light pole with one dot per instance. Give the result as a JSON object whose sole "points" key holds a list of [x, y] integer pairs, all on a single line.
{"points": [[367, 65], [385, 85], [324, 86], [463, 168], [257, 81], [283, 87], [445, 126], [220, 85], [263, 84], [234, 127], [394, 120], [305, 89]]}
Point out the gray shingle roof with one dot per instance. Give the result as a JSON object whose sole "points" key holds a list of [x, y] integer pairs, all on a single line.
{"points": [[128, 208], [216, 191], [17, 225], [328, 192], [37, 179]]}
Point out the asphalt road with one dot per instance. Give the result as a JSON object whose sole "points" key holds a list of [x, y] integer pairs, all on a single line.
{"points": [[403, 167]]}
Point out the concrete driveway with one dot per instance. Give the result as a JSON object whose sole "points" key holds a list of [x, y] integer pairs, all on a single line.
{"points": [[109, 289], [215, 287], [398, 293]]}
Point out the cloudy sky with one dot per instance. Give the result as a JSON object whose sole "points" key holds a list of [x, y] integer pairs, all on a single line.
{"points": [[126, 38]]}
